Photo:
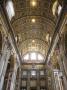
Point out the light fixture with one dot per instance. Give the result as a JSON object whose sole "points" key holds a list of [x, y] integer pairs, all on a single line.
{"points": [[33, 3], [10, 9], [33, 20], [33, 41]]}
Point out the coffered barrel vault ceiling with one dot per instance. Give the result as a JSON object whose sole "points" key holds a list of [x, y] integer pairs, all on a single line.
{"points": [[33, 25]]}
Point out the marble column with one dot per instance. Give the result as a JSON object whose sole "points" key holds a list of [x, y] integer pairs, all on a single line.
{"points": [[62, 61], [28, 81], [38, 81], [13, 80], [3, 64]]}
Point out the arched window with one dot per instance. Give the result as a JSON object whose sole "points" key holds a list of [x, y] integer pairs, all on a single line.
{"points": [[33, 56]]}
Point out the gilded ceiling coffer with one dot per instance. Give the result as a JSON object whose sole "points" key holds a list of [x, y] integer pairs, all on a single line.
{"points": [[33, 23]]}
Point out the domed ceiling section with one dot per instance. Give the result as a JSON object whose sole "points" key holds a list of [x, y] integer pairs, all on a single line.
{"points": [[33, 25]]}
